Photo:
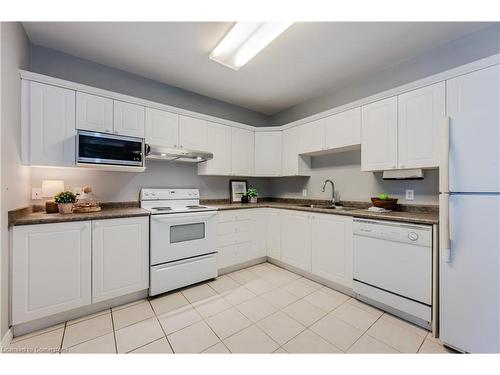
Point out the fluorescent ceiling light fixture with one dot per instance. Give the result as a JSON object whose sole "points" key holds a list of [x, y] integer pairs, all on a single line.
{"points": [[245, 40]]}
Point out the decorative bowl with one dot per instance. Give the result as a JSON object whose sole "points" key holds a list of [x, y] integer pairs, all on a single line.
{"points": [[388, 203]]}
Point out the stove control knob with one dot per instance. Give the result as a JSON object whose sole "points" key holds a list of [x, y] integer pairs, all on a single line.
{"points": [[413, 236]]}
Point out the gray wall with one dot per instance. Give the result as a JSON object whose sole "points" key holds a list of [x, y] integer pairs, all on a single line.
{"points": [[121, 186], [61, 65], [352, 184], [475, 46], [15, 179]]}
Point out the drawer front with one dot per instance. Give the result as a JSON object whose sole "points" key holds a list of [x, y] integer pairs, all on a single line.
{"points": [[234, 215]]}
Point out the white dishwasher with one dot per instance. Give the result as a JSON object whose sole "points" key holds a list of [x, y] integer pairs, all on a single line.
{"points": [[392, 268]]}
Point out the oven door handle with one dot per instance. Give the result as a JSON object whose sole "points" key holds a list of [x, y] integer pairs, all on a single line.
{"points": [[175, 217]]}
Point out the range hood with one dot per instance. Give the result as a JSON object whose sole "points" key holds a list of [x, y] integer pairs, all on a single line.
{"points": [[177, 154], [403, 174]]}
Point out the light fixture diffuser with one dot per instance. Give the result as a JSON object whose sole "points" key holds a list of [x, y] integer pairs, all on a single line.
{"points": [[245, 40]]}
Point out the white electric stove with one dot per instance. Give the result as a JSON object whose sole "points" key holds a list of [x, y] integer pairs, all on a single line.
{"points": [[182, 238]]}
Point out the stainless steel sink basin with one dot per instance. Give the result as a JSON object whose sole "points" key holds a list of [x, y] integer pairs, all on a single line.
{"points": [[328, 207]]}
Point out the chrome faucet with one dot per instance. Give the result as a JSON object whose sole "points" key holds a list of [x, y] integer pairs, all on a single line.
{"points": [[333, 190]]}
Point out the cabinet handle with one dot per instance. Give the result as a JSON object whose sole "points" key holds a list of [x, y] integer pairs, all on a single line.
{"points": [[401, 166], [393, 167]]}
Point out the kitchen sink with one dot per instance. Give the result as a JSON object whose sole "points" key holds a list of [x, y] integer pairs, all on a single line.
{"points": [[328, 207]]}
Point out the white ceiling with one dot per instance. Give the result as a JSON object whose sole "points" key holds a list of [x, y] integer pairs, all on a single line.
{"points": [[308, 60]]}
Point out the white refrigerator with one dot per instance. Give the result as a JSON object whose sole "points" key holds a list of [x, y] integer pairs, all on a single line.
{"points": [[469, 307]]}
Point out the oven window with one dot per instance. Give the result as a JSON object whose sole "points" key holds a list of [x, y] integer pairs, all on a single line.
{"points": [[187, 232]]}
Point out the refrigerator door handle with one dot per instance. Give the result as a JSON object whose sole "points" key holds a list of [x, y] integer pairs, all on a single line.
{"points": [[444, 168], [446, 243]]}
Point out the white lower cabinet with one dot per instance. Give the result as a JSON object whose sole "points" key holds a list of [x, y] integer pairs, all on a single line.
{"points": [[51, 269], [296, 239], [62, 266], [331, 248], [120, 257], [274, 233]]}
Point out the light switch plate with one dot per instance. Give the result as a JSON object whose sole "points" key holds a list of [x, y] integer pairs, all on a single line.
{"points": [[304, 192], [36, 193], [410, 195]]}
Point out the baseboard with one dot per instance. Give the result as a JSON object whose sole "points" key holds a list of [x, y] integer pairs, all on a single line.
{"points": [[240, 266], [6, 339]]}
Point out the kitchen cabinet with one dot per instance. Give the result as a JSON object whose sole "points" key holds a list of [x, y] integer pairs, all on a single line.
{"points": [[268, 153], [192, 133], [242, 152], [331, 248], [274, 233], [128, 119], [312, 137], [94, 113], [50, 123], [235, 237], [162, 128], [51, 269], [219, 144], [120, 257], [420, 117], [343, 130], [259, 233], [296, 239], [379, 135], [292, 163]]}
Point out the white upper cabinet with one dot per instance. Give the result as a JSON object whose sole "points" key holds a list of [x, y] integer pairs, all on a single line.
{"points": [[50, 124], [94, 113], [312, 137], [296, 239], [421, 113], [268, 153], [192, 133], [120, 257], [162, 128], [331, 248], [242, 152], [343, 130], [128, 119], [219, 144], [379, 135], [292, 163], [51, 269]]}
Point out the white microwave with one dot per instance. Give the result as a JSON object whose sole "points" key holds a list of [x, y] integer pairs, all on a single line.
{"points": [[109, 149]]}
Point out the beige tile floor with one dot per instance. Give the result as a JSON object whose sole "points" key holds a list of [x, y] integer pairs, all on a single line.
{"points": [[261, 309]]}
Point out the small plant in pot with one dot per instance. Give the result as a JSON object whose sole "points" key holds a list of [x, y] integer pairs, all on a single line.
{"points": [[65, 201], [252, 195]]}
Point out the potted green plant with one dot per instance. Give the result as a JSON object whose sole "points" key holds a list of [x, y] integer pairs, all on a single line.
{"points": [[252, 195], [65, 201]]}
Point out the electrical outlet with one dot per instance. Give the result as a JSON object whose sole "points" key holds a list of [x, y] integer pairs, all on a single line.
{"points": [[410, 195], [304, 192], [36, 193]]}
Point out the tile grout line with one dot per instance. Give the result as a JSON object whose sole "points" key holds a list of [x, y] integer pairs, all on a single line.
{"points": [[114, 332], [62, 338], [164, 333], [365, 332]]}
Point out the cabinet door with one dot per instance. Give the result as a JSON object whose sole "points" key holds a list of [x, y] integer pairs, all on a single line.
{"points": [[259, 233], [274, 234], [331, 248], [120, 257], [268, 153], [162, 128], [94, 113], [343, 129], [51, 270], [290, 163], [421, 113], [128, 119], [296, 240], [379, 135], [192, 133], [219, 144], [312, 137], [242, 152], [52, 125]]}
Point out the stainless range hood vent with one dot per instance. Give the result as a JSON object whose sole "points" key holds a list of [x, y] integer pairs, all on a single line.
{"points": [[177, 154]]}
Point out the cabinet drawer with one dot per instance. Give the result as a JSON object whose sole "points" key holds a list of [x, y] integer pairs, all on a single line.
{"points": [[234, 215], [233, 238]]}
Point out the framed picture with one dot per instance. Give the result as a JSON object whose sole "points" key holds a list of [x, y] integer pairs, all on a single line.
{"points": [[237, 188]]}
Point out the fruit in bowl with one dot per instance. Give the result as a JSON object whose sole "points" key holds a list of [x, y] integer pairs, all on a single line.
{"points": [[384, 201]]}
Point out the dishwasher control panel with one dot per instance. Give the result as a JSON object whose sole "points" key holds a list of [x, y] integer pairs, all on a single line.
{"points": [[420, 235]]}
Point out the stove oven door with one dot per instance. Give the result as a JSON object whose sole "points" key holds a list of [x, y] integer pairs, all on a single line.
{"points": [[182, 236]]}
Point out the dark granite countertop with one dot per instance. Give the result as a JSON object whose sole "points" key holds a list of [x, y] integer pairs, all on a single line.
{"points": [[32, 216], [417, 217]]}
